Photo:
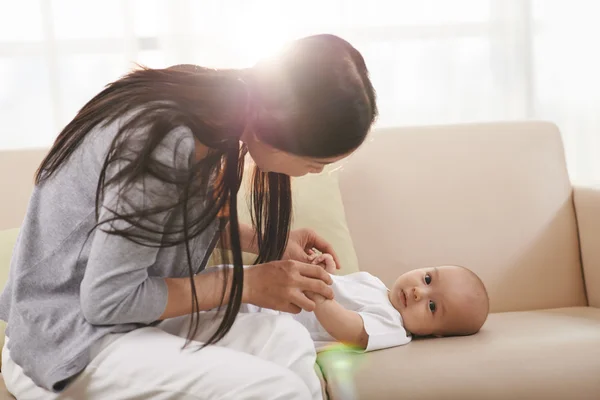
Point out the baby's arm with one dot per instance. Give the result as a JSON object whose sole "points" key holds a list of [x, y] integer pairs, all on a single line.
{"points": [[344, 325]]}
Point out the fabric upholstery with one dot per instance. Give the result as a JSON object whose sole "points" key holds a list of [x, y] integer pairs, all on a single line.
{"points": [[495, 198], [587, 205], [4, 393], [548, 354]]}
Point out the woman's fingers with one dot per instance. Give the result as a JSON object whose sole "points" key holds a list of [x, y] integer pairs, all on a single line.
{"points": [[300, 300], [291, 308], [315, 271], [280, 285], [317, 286], [315, 279]]}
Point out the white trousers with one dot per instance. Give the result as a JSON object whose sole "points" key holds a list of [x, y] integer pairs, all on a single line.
{"points": [[263, 357]]}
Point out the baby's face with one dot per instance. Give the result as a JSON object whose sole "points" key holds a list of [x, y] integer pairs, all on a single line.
{"points": [[440, 301]]}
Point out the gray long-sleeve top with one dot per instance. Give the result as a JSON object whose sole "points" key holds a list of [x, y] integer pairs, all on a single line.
{"points": [[65, 290]]}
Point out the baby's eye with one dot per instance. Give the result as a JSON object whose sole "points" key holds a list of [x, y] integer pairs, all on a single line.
{"points": [[431, 306], [427, 279]]}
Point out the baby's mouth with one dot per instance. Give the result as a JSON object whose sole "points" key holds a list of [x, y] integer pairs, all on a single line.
{"points": [[403, 297]]}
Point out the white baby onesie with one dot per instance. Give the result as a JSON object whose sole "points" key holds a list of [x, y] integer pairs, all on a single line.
{"points": [[368, 296]]}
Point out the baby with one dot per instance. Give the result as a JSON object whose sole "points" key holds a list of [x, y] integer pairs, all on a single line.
{"points": [[439, 301]]}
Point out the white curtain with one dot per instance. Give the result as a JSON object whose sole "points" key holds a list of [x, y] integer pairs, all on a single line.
{"points": [[432, 61]]}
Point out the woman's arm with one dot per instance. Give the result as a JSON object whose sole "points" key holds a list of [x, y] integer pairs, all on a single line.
{"points": [[209, 288], [279, 285], [116, 287], [247, 239]]}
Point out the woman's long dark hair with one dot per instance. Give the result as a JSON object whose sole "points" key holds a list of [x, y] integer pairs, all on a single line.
{"points": [[315, 99]]}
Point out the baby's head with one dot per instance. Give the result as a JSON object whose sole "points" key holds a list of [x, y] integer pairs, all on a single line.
{"points": [[441, 301]]}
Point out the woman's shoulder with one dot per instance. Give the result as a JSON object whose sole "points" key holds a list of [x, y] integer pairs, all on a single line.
{"points": [[175, 149]]}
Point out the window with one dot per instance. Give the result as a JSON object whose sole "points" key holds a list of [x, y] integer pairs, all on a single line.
{"points": [[432, 61]]}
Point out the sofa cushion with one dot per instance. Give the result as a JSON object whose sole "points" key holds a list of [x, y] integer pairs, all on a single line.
{"points": [[317, 204], [548, 354], [8, 239], [495, 198], [4, 393]]}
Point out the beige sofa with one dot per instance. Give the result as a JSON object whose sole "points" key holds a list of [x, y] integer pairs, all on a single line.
{"points": [[493, 197]]}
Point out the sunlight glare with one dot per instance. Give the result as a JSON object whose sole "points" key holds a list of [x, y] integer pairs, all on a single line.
{"points": [[257, 36]]}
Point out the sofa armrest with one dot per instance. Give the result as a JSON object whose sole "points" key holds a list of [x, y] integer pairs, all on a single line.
{"points": [[587, 207]]}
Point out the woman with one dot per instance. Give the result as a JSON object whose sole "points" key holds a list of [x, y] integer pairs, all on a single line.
{"points": [[107, 281]]}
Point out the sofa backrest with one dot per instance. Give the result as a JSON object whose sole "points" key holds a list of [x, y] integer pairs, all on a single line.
{"points": [[17, 170], [495, 198]]}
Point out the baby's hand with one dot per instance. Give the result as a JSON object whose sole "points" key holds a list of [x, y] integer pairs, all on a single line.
{"points": [[324, 260]]}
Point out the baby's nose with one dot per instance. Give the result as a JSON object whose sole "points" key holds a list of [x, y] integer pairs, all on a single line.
{"points": [[417, 294]]}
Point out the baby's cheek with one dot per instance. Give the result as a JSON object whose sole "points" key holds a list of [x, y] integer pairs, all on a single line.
{"points": [[408, 319], [415, 322]]}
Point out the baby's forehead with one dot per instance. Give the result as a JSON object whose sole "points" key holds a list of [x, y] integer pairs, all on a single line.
{"points": [[456, 273], [460, 284], [464, 297], [461, 311]]}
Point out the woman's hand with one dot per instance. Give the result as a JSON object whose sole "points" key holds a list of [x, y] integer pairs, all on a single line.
{"points": [[302, 241], [280, 285]]}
